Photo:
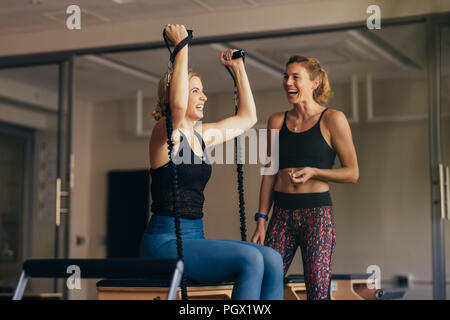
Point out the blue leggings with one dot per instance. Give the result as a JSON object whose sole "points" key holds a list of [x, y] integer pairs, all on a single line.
{"points": [[256, 270]]}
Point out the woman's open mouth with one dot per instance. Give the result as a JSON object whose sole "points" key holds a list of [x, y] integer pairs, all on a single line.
{"points": [[292, 93]]}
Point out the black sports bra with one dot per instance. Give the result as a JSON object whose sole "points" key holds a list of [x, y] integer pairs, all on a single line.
{"points": [[192, 178], [304, 149]]}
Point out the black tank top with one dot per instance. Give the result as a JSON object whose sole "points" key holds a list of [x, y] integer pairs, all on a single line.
{"points": [[304, 149], [192, 178]]}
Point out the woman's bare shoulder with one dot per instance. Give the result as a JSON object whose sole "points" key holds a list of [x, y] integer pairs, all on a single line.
{"points": [[335, 119], [276, 120], [159, 133], [334, 115]]}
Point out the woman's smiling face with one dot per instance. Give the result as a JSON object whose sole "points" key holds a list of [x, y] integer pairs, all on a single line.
{"points": [[197, 99], [297, 83]]}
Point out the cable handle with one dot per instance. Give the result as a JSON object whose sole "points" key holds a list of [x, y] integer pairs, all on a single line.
{"points": [[236, 55], [179, 46], [173, 54]]}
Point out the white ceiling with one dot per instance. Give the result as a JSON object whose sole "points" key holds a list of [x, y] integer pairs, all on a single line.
{"points": [[17, 16], [342, 55]]}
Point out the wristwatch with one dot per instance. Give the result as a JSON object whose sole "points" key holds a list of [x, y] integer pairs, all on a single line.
{"points": [[261, 215]]}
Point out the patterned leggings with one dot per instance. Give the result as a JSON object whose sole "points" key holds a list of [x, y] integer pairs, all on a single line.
{"points": [[314, 230]]}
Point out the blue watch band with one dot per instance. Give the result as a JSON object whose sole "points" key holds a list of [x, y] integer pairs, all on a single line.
{"points": [[261, 215]]}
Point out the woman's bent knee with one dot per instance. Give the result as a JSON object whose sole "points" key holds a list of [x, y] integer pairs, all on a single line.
{"points": [[272, 259], [252, 260]]}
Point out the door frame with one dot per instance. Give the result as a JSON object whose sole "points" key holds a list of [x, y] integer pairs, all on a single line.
{"points": [[64, 146], [26, 218], [434, 25]]}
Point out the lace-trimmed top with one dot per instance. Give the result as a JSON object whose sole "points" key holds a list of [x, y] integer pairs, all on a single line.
{"points": [[193, 174]]}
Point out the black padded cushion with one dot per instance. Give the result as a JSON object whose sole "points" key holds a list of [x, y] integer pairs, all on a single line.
{"points": [[299, 278], [294, 278], [101, 268], [154, 283], [361, 276]]}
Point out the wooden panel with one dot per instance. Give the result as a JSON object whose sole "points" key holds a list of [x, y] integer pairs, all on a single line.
{"points": [[345, 290], [160, 293]]}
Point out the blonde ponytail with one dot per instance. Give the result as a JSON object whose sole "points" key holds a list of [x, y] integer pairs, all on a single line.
{"points": [[160, 107]]}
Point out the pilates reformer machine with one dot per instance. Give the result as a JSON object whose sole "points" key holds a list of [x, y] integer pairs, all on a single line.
{"points": [[343, 287], [149, 279]]}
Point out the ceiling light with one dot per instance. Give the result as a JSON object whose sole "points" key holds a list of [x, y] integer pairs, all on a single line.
{"points": [[120, 66], [122, 1]]}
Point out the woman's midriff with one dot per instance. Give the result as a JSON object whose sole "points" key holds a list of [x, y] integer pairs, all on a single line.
{"points": [[284, 184]]}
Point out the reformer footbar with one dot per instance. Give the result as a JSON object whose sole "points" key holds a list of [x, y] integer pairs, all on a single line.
{"points": [[129, 268], [169, 131]]}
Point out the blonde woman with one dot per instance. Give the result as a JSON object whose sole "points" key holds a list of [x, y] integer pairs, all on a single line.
{"points": [[256, 270]]}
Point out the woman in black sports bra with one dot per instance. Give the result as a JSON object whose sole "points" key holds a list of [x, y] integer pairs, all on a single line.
{"points": [[310, 136]]}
